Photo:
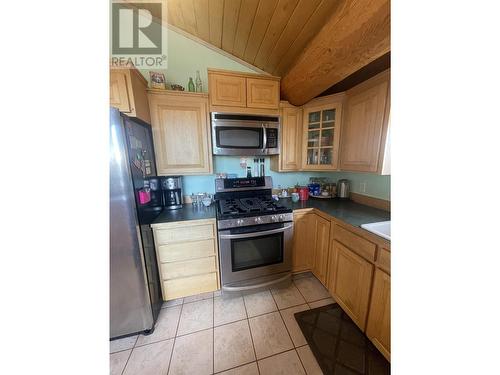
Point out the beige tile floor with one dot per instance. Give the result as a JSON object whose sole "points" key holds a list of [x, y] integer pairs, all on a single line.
{"points": [[209, 334]]}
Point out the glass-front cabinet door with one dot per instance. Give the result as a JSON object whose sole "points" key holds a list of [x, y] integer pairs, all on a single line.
{"points": [[321, 137]]}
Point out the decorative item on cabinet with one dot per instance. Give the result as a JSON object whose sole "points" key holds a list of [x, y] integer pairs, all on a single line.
{"points": [[157, 80], [191, 85], [176, 87], [199, 86]]}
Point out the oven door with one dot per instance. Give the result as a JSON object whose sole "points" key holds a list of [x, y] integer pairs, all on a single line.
{"points": [[251, 252]]}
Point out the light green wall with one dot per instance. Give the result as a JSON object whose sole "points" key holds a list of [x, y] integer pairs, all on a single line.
{"points": [[185, 57]]}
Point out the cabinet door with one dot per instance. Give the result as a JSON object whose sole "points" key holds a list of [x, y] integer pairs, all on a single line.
{"points": [[304, 241], [181, 134], [227, 90], [291, 139], [378, 328], [118, 91], [352, 282], [363, 129], [321, 137], [321, 250], [263, 93]]}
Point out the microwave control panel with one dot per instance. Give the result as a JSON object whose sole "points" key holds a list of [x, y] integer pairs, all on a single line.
{"points": [[272, 138]]}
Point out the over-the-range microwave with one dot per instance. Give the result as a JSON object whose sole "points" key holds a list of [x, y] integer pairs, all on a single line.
{"points": [[245, 135]]}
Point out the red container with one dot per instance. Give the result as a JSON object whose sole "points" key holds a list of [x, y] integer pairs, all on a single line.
{"points": [[144, 196], [303, 193]]}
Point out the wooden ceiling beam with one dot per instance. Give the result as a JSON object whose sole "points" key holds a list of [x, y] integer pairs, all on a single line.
{"points": [[355, 35]]}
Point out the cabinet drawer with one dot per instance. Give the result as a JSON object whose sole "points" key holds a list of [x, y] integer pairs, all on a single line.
{"points": [[187, 233], [186, 268], [356, 243], [188, 286], [186, 250], [384, 260]]}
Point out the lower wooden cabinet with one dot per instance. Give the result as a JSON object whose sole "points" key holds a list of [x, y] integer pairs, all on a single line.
{"points": [[187, 257], [350, 282], [181, 132], [378, 328], [304, 241], [321, 249]]}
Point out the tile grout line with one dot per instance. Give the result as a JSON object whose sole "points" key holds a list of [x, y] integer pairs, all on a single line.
{"points": [[251, 336], [175, 337], [213, 334], [129, 354]]}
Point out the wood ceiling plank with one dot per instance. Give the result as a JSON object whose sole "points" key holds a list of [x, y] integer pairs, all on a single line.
{"points": [[264, 14], [188, 16], [230, 23], [279, 21], [310, 29], [353, 37], [215, 15], [303, 11], [245, 21], [202, 23], [175, 13]]}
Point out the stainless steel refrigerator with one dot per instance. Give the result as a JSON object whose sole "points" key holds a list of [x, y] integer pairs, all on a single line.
{"points": [[135, 296]]}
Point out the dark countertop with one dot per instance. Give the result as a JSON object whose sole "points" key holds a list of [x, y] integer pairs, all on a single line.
{"points": [[347, 211], [187, 212]]}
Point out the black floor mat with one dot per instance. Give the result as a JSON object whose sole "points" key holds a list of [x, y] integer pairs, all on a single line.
{"points": [[339, 346]]}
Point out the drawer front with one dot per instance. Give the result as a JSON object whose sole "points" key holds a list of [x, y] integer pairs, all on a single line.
{"points": [[384, 260], [187, 233], [188, 268], [188, 286], [186, 250], [359, 245]]}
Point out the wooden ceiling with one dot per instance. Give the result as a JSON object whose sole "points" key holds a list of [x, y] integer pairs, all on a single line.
{"points": [[269, 34]]}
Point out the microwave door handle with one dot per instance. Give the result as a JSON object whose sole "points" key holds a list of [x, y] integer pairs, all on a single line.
{"points": [[264, 141], [254, 234]]}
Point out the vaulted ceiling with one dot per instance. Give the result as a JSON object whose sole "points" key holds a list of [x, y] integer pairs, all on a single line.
{"points": [[311, 44], [268, 34]]}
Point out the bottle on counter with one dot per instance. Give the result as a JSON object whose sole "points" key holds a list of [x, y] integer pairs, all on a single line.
{"points": [[262, 173], [249, 172], [256, 168]]}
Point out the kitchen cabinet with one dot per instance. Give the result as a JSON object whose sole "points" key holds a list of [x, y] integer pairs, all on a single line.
{"points": [[240, 92], [289, 158], [187, 257], [321, 134], [304, 241], [181, 132], [127, 92], [350, 282], [321, 249], [378, 328], [364, 131]]}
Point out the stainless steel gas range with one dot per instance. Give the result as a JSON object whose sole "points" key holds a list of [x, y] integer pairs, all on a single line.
{"points": [[255, 235]]}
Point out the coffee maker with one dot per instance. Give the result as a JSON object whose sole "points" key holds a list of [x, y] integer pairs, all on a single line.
{"points": [[172, 192]]}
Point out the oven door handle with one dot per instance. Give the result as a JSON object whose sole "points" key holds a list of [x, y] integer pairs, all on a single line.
{"points": [[254, 234]]}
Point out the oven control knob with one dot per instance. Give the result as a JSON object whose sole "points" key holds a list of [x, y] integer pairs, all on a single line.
{"points": [[282, 217], [258, 220], [239, 222], [274, 218]]}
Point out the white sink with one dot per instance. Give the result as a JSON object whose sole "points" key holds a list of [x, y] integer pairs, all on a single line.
{"points": [[382, 229]]}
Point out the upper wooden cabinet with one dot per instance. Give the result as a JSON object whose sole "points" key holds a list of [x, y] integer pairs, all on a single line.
{"points": [[289, 158], [365, 126], [181, 130], [227, 90], [321, 133], [263, 93], [127, 92], [243, 92], [378, 328]]}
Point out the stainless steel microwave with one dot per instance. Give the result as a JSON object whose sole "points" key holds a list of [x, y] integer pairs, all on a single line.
{"points": [[245, 135]]}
